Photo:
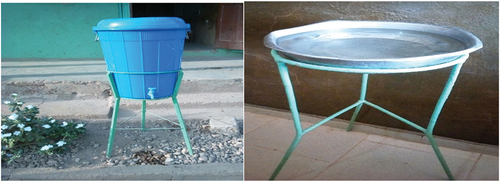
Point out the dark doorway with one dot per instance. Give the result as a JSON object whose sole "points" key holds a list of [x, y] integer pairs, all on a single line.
{"points": [[213, 25], [191, 13], [230, 26]]}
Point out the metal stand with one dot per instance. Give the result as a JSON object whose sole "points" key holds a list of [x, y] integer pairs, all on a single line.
{"points": [[283, 70], [143, 113]]}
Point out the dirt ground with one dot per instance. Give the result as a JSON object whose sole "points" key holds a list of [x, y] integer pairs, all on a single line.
{"points": [[131, 147]]}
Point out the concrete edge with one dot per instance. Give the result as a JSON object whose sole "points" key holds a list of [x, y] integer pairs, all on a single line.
{"points": [[212, 171], [379, 130]]}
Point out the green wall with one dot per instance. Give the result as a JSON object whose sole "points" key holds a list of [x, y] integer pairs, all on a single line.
{"points": [[53, 30]]}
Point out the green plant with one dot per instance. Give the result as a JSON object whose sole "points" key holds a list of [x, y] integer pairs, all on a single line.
{"points": [[23, 130]]}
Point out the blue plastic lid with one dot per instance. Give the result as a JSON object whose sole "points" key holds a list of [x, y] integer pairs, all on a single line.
{"points": [[148, 23]]}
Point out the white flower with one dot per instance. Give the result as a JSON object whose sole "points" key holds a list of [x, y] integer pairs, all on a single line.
{"points": [[46, 147], [80, 125], [20, 103], [13, 116], [20, 125], [52, 121], [13, 95], [60, 143], [6, 102], [17, 133], [27, 128], [29, 107], [64, 124], [6, 135], [28, 119], [46, 126], [4, 127]]}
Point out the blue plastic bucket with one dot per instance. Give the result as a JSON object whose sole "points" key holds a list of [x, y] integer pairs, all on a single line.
{"points": [[144, 54]]}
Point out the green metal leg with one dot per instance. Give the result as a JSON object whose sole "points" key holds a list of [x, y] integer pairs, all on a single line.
{"points": [[428, 132], [183, 126], [143, 119], [362, 97], [113, 127], [440, 156], [437, 110], [180, 74], [287, 155], [283, 69]]}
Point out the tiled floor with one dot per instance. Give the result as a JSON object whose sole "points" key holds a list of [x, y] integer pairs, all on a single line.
{"points": [[331, 153]]}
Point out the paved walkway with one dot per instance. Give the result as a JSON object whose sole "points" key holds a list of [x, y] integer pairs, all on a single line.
{"points": [[194, 67], [365, 153]]}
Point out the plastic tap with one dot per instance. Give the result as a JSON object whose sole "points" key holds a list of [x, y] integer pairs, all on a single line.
{"points": [[151, 92]]}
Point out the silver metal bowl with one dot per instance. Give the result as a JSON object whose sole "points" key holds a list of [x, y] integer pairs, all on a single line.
{"points": [[372, 44]]}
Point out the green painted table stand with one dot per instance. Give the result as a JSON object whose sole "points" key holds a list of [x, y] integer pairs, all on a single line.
{"points": [[114, 118], [283, 70]]}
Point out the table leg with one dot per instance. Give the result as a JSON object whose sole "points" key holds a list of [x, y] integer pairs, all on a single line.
{"points": [[362, 97], [283, 69], [437, 110]]}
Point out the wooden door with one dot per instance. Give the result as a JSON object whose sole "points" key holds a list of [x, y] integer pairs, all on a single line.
{"points": [[229, 34]]}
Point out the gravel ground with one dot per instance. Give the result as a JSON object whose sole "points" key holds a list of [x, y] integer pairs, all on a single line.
{"points": [[136, 147]]}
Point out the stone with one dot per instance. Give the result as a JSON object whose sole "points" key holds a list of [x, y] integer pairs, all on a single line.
{"points": [[77, 159], [203, 154], [52, 163], [226, 125], [96, 145], [137, 149], [212, 159], [169, 161], [238, 145], [169, 155], [202, 159]]}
